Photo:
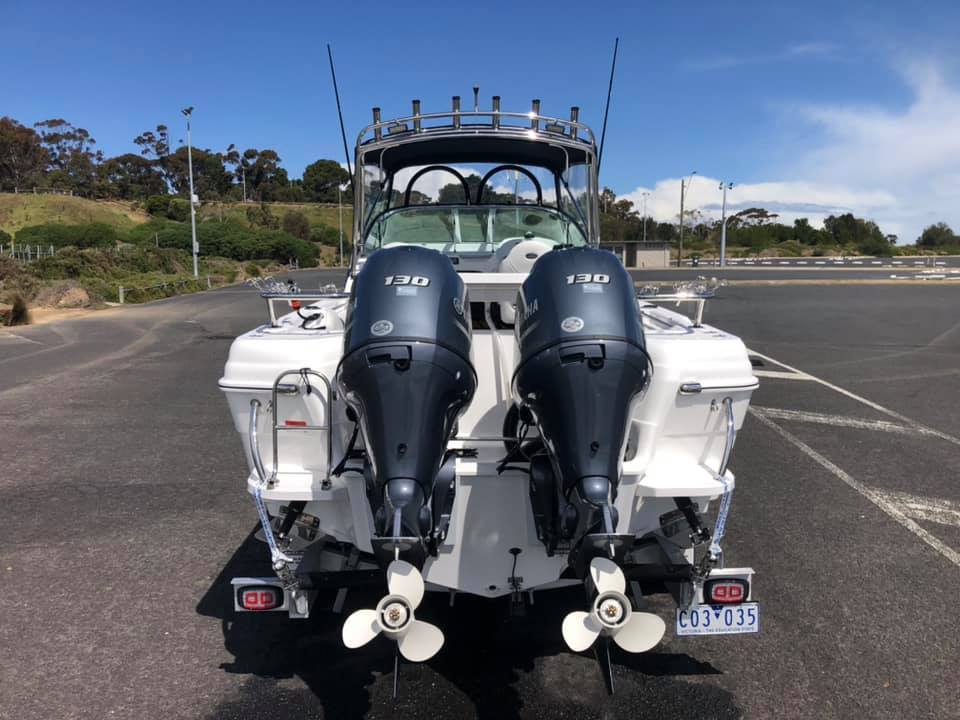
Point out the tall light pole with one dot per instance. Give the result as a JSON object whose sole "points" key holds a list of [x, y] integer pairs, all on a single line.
{"points": [[645, 195], [187, 112], [683, 187], [723, 223]]}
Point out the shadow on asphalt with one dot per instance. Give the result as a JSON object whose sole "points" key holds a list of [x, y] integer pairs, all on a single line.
{"points": [[491, 665]]}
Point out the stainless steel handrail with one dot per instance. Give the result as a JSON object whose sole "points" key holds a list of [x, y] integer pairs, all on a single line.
{"points": [[254, 442], [302, 298], [699, 299], [731, 435], [327, 410], [695, 388], [495, 125]]}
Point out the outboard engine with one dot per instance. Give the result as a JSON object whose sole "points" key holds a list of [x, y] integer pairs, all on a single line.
{"points": [[582, 363], [406, 375]]}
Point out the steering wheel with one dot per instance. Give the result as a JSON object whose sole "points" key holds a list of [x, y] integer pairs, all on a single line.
{"points": [[518, 168]]}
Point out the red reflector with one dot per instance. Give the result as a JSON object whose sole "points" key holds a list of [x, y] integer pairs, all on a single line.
{"points": [[725, 591], [295, 423], [295, 304], [260, 598]]}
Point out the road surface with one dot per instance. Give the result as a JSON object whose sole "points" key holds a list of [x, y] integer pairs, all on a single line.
{"points": [[123, 515]]}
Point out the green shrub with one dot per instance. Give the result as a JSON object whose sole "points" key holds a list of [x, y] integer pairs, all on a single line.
{"points": [[260, 216], [325, 235], [296, 224], [81, 236], [252, 269], [178, 209], [157, 205]]}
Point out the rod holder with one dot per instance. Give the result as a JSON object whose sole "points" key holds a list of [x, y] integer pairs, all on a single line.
{"points": [[574, 118], [476, 98], [377, 132], [456, 111], [496, 112], [416, 116], [535, 112]]}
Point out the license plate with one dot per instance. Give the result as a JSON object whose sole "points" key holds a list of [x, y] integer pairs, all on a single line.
{"points": [[719, 619]]}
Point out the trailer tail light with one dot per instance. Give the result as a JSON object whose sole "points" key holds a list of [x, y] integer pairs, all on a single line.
{"points": [[259, 598], [725, 591], [295, 423]]}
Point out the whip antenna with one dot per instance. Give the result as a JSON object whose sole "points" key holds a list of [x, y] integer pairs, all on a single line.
{"points": [[606, 111], [343, 132]]}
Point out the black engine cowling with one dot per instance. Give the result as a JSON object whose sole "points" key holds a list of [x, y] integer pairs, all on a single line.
{"points": [[582, 363], [407, 375]]}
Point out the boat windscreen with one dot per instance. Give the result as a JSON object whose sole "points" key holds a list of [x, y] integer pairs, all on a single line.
{"points": [[471, 228], [467, 207]]}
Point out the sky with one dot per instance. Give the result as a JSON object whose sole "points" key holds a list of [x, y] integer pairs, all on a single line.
{"points": [[810, 109]]}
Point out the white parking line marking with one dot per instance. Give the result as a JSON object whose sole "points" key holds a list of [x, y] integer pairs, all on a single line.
{"points": [[935, 510], [879, 499], [869, 403], [839, 421], [781, 375]]}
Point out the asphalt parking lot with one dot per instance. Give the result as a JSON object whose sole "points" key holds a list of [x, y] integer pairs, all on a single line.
{"points": [[123, 516]]}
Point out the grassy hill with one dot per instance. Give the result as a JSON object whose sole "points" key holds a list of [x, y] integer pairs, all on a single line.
{"points": [[17, 211], [316, 214]]}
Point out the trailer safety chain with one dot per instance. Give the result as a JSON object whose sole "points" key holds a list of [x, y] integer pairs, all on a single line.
{"points": [[277, 557], [716, 552]]}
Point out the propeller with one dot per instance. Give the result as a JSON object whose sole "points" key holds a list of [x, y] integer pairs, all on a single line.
{"points": [[611, 615], [416, 640]]}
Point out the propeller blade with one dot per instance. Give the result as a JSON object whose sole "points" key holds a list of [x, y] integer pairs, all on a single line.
{"points": [[360, 628], [580, 629], [641, 632], [405, 580], [607, 576], [421, 642]]}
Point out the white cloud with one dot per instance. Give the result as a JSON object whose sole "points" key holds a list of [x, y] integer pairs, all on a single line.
{"points": [[798, 51], [900, 168], [790, 200]]}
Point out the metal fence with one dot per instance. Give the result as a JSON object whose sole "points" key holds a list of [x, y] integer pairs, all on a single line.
{"points": [[25, 252]]}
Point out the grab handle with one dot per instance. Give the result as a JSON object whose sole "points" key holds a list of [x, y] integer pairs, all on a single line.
{"points": [[254, 444], [731, 434]]}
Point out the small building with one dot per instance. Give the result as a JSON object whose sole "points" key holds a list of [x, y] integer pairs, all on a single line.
{"points": [[640, 255]]}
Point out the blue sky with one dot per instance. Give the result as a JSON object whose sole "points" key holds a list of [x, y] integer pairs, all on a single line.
{"points": [[810, 109]]}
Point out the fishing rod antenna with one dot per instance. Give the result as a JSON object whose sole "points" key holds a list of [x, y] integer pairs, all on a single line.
{"points": [[343, 131], [606, 110]]}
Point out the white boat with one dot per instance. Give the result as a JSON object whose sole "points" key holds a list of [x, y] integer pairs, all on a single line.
{"points": [[488, 406]]}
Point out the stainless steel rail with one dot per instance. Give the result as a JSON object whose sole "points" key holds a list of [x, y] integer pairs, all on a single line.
{"points": [[731, 435], [488, 120], [281, 388], [303, 298], [254, 442], [699, 299]]}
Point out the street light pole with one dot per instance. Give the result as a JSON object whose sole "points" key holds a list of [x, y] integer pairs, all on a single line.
{"points": [[187, 112], [723, 223], [683, 187]]}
